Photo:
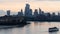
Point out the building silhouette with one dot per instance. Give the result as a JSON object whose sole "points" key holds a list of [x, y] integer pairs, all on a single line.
{"points": [[20, 13], [8, 12], [28, 11], [58, 14], [35, 13], [38, 15], [53, 14], [40, 12], [30, 14]]}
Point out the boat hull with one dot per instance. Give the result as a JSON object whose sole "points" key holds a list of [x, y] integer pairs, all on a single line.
{"points": [[53, 29]]}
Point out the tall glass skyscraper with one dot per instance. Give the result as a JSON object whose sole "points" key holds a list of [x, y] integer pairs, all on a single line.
{"points": [[28, 11]]}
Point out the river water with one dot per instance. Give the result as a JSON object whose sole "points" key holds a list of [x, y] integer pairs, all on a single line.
{"points": [[33, 28]]}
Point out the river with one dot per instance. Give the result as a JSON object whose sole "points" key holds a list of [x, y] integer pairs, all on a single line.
{"points": [[33, 28]]}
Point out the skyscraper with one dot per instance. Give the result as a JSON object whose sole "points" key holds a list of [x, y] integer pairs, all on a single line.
{"points": [[36, 13], [53, 14], [28, 11], [40, 12], [58, 14], [8, 12], [20, 13]]}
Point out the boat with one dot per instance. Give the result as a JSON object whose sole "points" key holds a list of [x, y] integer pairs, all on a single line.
{"points": [[54, 29]]}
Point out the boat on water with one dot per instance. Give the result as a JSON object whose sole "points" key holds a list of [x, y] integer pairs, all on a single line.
{"points": [[54, 29]]}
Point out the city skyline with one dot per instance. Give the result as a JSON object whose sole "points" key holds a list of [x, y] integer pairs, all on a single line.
{"points": [[29, 13], [27, 8], [16, 5]]}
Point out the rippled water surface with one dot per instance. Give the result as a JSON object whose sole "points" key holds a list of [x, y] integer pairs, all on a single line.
{"points": [[33, 28]]}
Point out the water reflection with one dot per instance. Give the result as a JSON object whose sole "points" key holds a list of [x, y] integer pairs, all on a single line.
{"points": [[53, 33], [33, 28]]}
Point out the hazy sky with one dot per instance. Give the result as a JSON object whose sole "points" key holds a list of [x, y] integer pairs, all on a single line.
{"points": [[16, 5]]}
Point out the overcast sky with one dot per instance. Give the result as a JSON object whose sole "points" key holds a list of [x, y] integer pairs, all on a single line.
{"points": [[24, 0], [16, 5]]}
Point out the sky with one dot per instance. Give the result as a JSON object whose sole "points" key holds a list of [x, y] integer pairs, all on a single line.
{"points": [[17, 5]]}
